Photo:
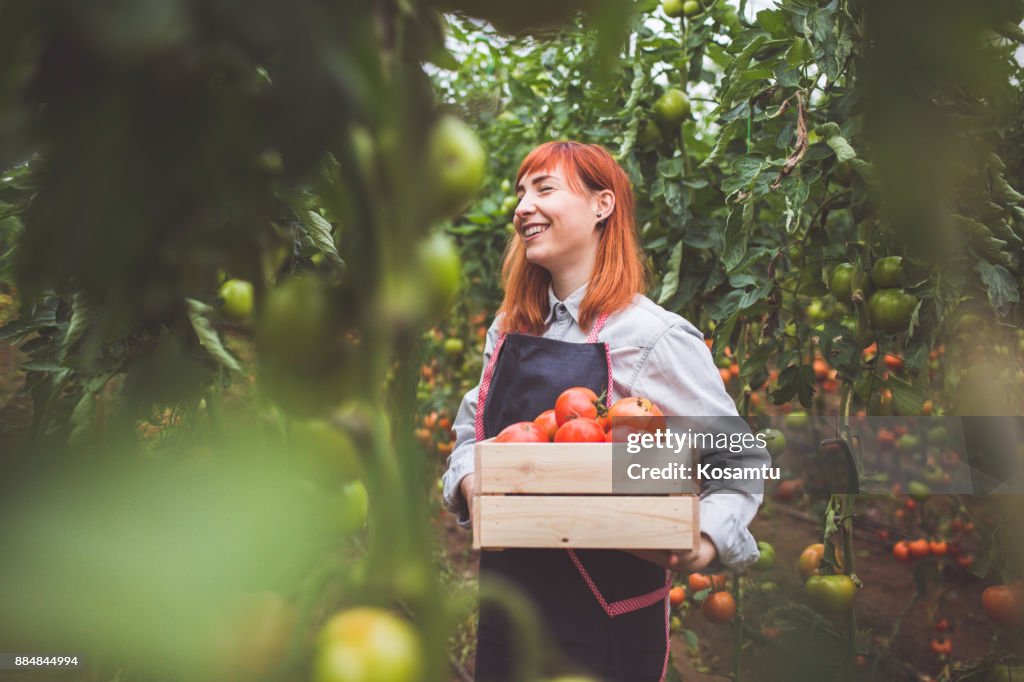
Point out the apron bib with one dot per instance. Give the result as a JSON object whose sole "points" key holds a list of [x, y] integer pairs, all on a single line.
{"points": [[606, 611]]}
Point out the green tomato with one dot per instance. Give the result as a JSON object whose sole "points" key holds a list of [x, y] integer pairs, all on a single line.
{"points": [[672, 108], [457, 163], [672, 8], [831, 594], [453, 347], [508, 204], [918, 490], [890, 310], [797, 419], [441, 270], [887, 272], [767, 557], [323, 453], [816, 310], [692, 8], [934, 475], [368, 644], [237, 296], [938, 434], [775, 442], [352, 505], [841, 284], [908, 441], [295, 325], [300, 362], [648, 134]]}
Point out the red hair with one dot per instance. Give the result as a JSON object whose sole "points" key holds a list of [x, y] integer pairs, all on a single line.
{"points": [[619, 271]]}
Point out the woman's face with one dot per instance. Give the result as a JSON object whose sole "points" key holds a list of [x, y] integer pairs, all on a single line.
{"points": [[556, 223]]}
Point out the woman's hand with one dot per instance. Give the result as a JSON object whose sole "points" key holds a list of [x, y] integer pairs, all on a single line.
{"points": [[468, 488], [689, 560]]}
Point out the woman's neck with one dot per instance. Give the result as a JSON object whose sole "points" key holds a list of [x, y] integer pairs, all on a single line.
{"points": [[564, 286]]}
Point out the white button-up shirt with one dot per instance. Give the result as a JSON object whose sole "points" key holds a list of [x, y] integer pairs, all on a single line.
{"points": [[659, 355]]}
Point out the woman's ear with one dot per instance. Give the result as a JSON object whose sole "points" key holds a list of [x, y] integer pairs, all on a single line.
{"points": [[604, 202]]}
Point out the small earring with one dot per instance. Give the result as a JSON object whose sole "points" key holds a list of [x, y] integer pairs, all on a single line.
{"points": [[598, 215]]}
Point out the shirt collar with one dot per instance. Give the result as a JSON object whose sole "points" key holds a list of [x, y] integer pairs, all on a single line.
{"points": [[572, 303]]}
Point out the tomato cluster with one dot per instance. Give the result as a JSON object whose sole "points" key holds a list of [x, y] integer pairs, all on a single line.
{"points": [[581, 416], [908, 550]]}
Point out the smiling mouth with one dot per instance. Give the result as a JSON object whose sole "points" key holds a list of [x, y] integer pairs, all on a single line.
{"points": [[534, 230]]}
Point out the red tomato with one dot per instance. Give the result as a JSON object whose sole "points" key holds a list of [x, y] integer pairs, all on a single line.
{"points": [[719, 607], [1004, 605], [918, 548], [547, 423], [937, 547], [637, 413], [521, 432], [901, 551], [698, 582], [893, 362], [581, 430], [677, 595], [574, 403], [942, 625], [943, 646]]}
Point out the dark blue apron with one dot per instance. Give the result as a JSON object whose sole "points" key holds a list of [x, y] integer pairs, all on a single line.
{"points": [[628, 643]]}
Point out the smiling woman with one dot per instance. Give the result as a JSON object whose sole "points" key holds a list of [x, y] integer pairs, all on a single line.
{"points": [[574, 314]]}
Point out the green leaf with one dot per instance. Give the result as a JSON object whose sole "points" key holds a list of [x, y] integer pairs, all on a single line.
{"points": [[82, 418], [198, 313], [692, 641], [725, 136], [735, 238], [1001, 287], [671, 168], [773, 21], [319, 230], [842, 148], [907, 399], [671, 282], [745, 170], [80, 319]]}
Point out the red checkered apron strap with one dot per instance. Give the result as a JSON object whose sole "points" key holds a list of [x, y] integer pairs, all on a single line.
{"points": [[485, 387], [592, 338]]}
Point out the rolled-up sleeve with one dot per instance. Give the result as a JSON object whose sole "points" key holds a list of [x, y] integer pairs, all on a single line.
{"points": [[679, 375], [461, 461]]}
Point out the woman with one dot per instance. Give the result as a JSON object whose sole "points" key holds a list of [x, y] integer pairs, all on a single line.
{"points": [[574, 314]]}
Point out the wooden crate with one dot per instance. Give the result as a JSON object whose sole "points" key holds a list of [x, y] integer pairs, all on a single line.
{"points": [[560, 495]]}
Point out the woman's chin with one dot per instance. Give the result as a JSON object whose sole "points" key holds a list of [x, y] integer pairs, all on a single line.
{"points": [[536, 256]]}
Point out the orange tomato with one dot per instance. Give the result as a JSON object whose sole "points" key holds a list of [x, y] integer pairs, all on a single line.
{"points": [[943, 646], [1004, 605], [547, 423], [901, 551], [918, 548], [893, 362], [677, 595], [719, 607]]}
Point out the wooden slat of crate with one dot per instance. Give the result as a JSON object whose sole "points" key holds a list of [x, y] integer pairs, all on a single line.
{"points": [[608, 522], [567, 468]]}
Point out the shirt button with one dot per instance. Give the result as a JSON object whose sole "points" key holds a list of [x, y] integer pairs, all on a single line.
{"points": [[560, 310]]}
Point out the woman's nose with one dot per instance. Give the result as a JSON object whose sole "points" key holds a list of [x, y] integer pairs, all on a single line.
{"points": [[524, 207]]}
